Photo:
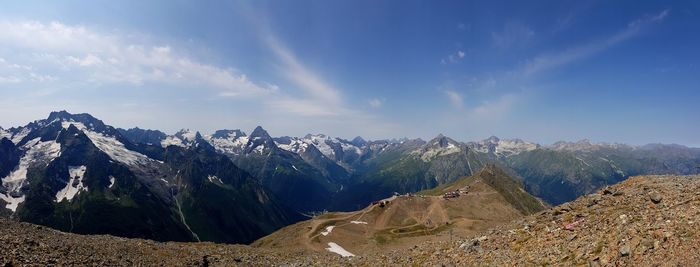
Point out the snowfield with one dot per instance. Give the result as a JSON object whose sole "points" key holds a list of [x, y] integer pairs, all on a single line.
{"points": [[111, 146], [74, 185], [37, 152], [230, 145], [434, 152], [335, 248], [296, 146]]}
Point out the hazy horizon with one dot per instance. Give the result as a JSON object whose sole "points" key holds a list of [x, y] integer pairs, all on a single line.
{"points": [[616, 72]]}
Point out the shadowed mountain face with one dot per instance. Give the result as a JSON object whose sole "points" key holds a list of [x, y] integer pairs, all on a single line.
{"points": [[76, 174], [346, 175]]}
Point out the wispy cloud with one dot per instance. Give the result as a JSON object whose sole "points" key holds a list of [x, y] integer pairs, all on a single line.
{"points": [[497, 108], [553, 60], [455, 98], [455, 57], [376, 102], [513, 33], [302, 76], [60, 53], [502, 93], [463, 26], [313, 101]]}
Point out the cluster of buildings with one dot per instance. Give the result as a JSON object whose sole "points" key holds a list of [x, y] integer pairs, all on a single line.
{"points": [[456, 193]]}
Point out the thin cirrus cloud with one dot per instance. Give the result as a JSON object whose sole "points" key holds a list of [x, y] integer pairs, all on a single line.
{"points": [[60, 53], [551, 61], [319, 98], [503, 103], [71, 57], [513, 33], [66, 54]]}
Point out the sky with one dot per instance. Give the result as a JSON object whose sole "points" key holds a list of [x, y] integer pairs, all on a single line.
{"points": [[543, 71]]}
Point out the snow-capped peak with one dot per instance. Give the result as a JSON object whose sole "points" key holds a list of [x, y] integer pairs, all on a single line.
{"points": [[439, 146], [228, 134], [228, 141], [187, 135], [504, 147], [183, 138], [5, 134], [584, 145], [292, 144], [260, 133], [259, 141], [110, 145]]}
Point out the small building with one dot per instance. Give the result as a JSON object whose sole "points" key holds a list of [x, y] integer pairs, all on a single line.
{"points": [[452, 194]]}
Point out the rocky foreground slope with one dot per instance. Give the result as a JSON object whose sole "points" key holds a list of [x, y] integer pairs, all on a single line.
{"points": [[649, 220]]}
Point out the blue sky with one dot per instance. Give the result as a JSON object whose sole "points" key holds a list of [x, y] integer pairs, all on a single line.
{"points": [[614, 71]]}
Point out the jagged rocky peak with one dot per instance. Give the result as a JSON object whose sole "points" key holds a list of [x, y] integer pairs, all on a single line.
{"points": [[358, 141], [187, 135], [66, 118], [317, 136], [143, 136], [259, 141], [439, 146], [492, 139], [259, 132], [442, 141], [5, 134]]}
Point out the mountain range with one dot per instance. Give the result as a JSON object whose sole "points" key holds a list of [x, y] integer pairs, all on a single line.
{"points": [[77, 174]]}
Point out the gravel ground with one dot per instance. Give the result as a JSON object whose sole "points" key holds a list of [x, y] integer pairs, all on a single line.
{"points": [[644, 221]]}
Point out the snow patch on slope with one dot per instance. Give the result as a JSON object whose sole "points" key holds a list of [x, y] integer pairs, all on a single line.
{"points": [[335, 248], [5, 134], [295, 145], [74, 185], [36, 152], [16, 138], [513, 147], [433, 152], [12, 202], [171, 141], [111, 181], [213, 178], [329, 229]]}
